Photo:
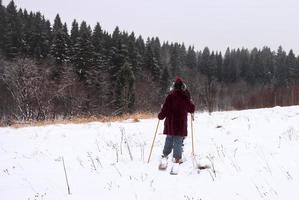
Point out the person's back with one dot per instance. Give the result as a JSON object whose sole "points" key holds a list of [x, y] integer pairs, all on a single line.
{"points": [[175, 111]]}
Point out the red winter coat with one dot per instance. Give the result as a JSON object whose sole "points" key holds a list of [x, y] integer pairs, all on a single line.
{"points": [[175, 109]]}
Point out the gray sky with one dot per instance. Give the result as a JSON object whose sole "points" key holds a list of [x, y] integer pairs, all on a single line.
{"points": [[217, 24]]}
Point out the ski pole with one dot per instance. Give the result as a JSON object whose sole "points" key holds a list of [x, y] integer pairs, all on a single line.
{"points": [[193, 153], [149, 157], [195, 163]]}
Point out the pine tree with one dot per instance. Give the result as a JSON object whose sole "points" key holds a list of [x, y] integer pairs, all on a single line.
{"points": [[208, 64], [139, 50], [67, 41], [293, 68], [73, 38], [151, 63], [46, 37], [96, 72], [157, 49], [280, 70], [117, 55], [219, 63], [59, 48], [204, 62], [245, 72], [2, 25], [256, 66], [36, 35], [165, 55], [267, 61], [199, 57], [84, 55], [13, 34], [140, 46], [74, 32], [27, 32], [229, 66], [65, 30], [133, 54], [57, 26], [175, 60], [210, 83], [164, 83], [125, 90], [212, 67], [191, 58], [182, 58], [97, 39], [116, 60]]}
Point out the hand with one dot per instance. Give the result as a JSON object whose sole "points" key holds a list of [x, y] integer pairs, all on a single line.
{"points": [[187, 94]]}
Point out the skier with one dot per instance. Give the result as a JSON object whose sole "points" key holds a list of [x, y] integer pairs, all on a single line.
{"points": [[175, 109]]}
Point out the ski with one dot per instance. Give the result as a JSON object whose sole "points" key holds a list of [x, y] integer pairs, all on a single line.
{"points": [[198, 165], [175, 169], [163, 163], [201, 165]]}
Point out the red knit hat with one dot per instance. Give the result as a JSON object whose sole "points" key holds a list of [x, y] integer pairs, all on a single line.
{"points": [[178, 80], [178, 84]]}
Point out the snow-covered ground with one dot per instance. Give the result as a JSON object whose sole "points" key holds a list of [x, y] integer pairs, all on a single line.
{"points": [[253, 154]]}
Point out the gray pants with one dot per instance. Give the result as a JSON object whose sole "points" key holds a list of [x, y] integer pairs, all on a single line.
{"points": [[175, 143]]}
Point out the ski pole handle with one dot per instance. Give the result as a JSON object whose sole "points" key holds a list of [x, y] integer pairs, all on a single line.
{"points": [[149, 157]]}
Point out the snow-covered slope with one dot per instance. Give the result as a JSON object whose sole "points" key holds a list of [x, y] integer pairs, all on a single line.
{"points": [[253, 154]]}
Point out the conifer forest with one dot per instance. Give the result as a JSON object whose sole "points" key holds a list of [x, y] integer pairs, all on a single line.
{"points": [[49, 70]]}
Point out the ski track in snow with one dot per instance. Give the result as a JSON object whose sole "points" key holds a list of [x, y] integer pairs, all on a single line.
{"points": [[253, 155]]}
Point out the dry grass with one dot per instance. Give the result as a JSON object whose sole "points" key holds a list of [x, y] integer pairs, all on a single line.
{"points": [[136, 117]]}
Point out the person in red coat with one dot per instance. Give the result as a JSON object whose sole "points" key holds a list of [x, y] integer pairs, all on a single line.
{"points": [[175, 111]]}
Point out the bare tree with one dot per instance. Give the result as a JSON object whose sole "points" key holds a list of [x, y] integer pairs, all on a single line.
{"points": [[25, 83]]}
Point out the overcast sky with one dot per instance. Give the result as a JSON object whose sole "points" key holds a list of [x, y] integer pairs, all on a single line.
{"points": [[217, 24]]}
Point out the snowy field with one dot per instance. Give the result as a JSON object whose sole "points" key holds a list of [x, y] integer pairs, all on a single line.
{"points": [[253, 154]]}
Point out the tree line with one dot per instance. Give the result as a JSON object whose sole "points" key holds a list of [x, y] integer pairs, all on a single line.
{"points": [[48, 71]]}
